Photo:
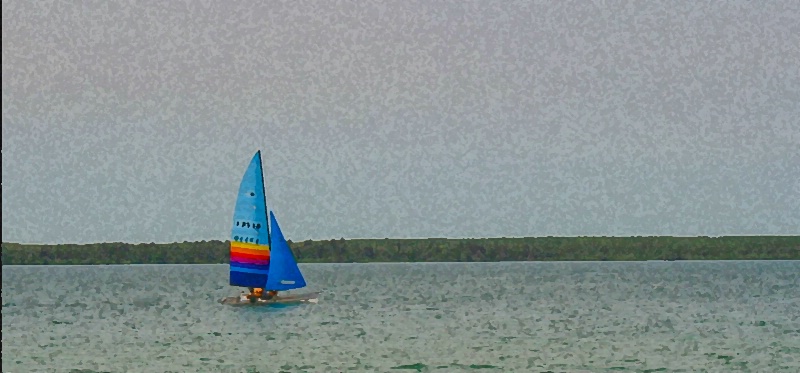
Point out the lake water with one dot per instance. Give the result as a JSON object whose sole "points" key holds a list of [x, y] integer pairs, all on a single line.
{"points": [[429, 317]]}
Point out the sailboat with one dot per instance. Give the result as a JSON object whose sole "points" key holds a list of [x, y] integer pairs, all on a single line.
{"points": [[260, 257]]}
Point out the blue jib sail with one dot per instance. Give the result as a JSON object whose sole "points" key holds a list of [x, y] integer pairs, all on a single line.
{"points": [[283, 272], [250, 251]]}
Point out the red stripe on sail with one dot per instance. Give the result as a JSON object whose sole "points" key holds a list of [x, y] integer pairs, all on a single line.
{"points": [[264, 256], [247, 259]]}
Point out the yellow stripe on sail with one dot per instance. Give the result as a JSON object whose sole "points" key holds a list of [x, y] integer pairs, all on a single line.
{"points": [[249, 246]]}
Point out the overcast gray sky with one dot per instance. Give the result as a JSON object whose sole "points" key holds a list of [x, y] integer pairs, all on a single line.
{"points": [[134, 120]]}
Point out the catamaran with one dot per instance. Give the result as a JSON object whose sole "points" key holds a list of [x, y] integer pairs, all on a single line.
{"points": [[260, 257]]}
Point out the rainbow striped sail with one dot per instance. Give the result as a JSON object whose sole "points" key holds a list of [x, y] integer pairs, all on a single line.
{"points": [[250, 248]]}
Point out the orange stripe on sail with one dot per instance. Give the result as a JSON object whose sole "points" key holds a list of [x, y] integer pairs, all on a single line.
{"points": [[258, 253], [259, 256]]}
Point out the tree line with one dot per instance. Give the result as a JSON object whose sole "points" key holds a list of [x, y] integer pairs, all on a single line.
{"points": [[424, 250]]}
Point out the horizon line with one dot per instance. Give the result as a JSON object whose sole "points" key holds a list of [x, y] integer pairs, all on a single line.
{"points": [[421, 238]]}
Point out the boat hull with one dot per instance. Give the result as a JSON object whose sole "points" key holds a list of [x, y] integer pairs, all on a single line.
{"points": [[286, 299]]}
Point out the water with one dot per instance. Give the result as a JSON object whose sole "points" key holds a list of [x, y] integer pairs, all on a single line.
{"points": [[438, 317]]}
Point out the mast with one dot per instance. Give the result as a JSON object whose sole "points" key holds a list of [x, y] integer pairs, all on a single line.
{"points": [[264, 193]]}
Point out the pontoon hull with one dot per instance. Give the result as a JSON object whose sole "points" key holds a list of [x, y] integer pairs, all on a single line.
{"points": [[285, 299]]}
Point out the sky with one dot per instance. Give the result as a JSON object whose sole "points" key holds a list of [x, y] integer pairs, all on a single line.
{"points": [[133, 121]]}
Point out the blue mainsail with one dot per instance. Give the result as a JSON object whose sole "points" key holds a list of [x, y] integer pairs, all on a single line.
{"points": [[283, 272], [250, 251]]}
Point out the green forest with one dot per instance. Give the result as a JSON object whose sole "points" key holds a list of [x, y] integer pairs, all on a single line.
{"points": [[425, 250]]}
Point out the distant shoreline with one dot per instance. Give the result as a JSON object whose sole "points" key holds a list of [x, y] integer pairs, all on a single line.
{"points": [[661, 248]]}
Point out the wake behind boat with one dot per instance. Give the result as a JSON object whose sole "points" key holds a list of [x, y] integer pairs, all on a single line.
{"points": [[260, 257]]}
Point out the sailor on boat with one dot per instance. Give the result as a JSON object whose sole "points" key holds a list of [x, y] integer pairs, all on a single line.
{"points": [[255, 294]]}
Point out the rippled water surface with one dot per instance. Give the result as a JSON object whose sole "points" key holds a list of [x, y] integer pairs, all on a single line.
{"points": [[513, 317]]}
